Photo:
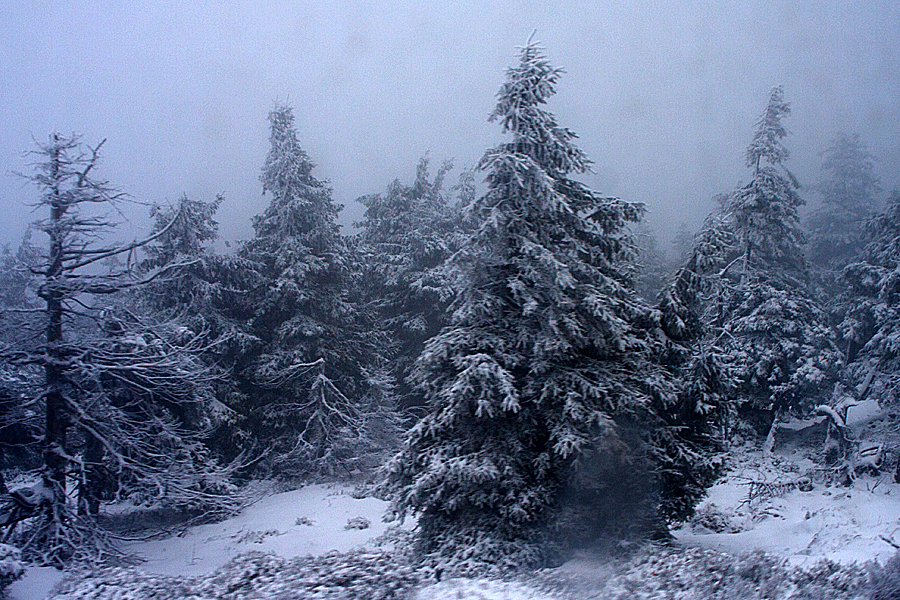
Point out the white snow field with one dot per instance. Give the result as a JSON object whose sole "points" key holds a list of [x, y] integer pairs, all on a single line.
{"points": [[843, 524], [313, 520]]}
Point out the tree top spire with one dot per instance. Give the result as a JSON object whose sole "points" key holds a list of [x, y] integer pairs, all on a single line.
{"points": [[766, 142]]}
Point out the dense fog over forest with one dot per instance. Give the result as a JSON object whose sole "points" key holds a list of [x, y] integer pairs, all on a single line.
{"points": [[582, 302], [659, 93]]}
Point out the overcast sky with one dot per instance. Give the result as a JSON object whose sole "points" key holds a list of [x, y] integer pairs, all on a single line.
{"points": [[664, 94]]}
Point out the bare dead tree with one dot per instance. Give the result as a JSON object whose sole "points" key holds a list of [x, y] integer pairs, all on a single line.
{"points": [[123, 396]]}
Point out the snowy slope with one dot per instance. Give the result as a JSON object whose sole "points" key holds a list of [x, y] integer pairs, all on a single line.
{"points": [[843, 524], [312, 520], [830, 521]]}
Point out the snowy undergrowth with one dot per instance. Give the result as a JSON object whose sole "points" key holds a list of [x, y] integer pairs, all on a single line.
{"points": [[654, 573], [11, 567], [307, 544], [356, 575], [789, 505]]}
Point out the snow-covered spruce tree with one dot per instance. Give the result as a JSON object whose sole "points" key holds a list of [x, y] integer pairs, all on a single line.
{"points": [[547, 411], [778, 340], [408, 234], [20, 426], [848, 187], [115, 391], [695, 351], [317, 386], [763, 212], [652, 269], [869, 311], [208, 293]]}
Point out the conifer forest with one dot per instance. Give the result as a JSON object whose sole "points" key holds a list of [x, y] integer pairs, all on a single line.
{"points": [[538, 397]]}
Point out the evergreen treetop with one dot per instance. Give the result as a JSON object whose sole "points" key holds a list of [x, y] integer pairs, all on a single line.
{"points": [[764, 213], [766, 142], [544, 383], [848, 187], [301, 204]]}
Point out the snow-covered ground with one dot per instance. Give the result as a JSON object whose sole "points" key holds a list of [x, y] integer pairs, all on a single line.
{"points": [[313, 520], [844, 524], [827, 521]]}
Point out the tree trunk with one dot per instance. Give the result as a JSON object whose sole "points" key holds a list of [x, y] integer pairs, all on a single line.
{"points": [[56, 423], [93, 478]]}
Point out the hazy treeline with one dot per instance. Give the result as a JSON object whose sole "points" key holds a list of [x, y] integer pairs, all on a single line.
{"points": [[524, 365]]}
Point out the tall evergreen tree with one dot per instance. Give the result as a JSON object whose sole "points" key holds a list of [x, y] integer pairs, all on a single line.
{"points": [[764, 213], [778, 341], [542, 387], [848, 187], [208, 293], [408, 235], [869, 311], [317, 381]]}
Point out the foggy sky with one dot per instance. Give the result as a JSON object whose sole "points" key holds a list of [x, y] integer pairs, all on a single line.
{"points": [[664, 95]]}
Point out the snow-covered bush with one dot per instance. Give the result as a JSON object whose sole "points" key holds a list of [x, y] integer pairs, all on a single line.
{"points": [[471, 553], [11, 567], [119, 583], [714, 519], [694, 574], [355, 575], [884, 582], [358, 523]]}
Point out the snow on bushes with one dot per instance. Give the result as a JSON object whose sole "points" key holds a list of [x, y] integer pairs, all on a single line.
{"points": [[695, 574], [11, 567], [651, 573], [356, 575]]}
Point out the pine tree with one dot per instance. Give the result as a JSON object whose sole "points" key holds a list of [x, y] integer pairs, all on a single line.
{"points": [[542, 385], [848, 188], [121, 397], [408, 235], [203, 289], [869, 311], [778, 341], [317, 380], [208, 293], [763, 213]]}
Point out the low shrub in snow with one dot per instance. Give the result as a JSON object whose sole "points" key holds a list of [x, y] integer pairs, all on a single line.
{"points": [[884, 583], [358, 523], [694, 574], [11, 567], [357, 575], [714, 519], [118, 583]]}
